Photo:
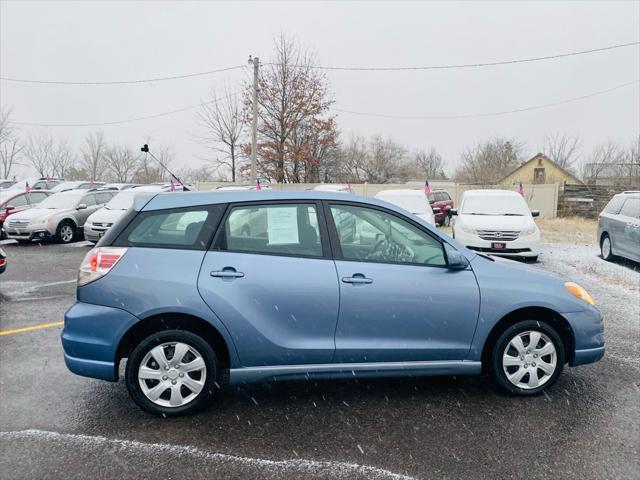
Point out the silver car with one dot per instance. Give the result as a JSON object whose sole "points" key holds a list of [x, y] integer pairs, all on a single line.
{"points": [[619, 227], [60, 217]]}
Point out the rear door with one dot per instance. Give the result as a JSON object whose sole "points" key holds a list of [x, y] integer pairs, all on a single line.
{"points": [[628, 242], [398, 301], [270, 279]]}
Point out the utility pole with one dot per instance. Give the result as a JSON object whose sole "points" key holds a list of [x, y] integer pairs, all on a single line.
{"points": [[255, 61]]}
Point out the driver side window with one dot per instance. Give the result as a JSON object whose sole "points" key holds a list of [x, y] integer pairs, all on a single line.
{"points": [[367, 234]]}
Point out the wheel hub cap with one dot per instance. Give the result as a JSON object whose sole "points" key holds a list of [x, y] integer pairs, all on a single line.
{"points": [[529, 359], [172, 374]]}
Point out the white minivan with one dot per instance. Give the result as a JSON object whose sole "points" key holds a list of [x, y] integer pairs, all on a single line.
{"points": [[498, 222], [413, 201]]}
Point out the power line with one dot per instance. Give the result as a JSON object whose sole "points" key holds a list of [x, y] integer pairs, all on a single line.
{"points": [[129, 120], [121, 82], [475, 65], [366, 114], [489, 114], [324, 67]]}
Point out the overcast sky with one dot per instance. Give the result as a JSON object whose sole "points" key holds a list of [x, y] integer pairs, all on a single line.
{"points": [[102, 41]]}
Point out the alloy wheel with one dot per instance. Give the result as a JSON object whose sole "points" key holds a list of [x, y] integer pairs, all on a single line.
{"points": [[66, 233], [606, 247], [172, 374], [529, 359]]}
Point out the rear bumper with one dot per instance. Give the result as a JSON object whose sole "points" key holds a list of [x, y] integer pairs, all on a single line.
{"points": [[90, 339]]}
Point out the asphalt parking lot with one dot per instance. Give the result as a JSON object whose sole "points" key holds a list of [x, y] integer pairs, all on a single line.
{"points": [[57, 425]]}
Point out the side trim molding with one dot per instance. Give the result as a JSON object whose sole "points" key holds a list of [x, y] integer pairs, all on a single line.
{"points": [[358, 370]]}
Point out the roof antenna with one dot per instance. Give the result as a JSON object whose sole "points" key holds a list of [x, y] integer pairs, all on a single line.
{"points": [[145, 149]]}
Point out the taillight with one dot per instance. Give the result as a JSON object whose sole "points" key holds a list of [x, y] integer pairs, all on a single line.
{"points": [[98, 262]]}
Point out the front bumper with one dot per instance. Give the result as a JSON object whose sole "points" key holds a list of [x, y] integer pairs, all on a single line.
{"points": [[588, 334], [27, 233], [527, 246], [90, 339]]}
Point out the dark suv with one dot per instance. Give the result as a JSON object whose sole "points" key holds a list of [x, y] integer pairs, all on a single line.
{"points": [[441, 200]]}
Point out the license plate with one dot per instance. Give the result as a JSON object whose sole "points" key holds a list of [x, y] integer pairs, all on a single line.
{"points": [[498, 245]]}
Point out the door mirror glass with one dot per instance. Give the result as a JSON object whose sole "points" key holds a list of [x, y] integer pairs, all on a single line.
{"points": [[436, 210], [453, 211], [455, 259], [535, 213], [81, 206]]}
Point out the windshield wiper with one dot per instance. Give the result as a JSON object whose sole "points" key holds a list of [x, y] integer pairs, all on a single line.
{"points": [[511, 214], [478, 214]]}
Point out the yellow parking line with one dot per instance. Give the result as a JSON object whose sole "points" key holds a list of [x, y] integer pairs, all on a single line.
{"points": [[32, 327]]}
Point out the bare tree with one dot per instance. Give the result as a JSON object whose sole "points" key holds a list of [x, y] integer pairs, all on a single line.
{"points": [[122, 163], [10, 146], [294, 103], [62, 159], [205, 173], [563, 149], [611, 163], [92, 160], [39, 151], [487, 162], [429, 164], [385, 160], [222, 119]]}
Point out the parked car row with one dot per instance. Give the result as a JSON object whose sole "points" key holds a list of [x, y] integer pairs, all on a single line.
{"points": [[65, 213]]}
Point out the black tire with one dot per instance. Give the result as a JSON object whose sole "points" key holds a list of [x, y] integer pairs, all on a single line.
{"points": [[62, 235], [503, 340], [192, 340], [604, 251]]}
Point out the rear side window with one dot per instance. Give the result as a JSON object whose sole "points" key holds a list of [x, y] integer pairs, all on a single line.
{"points": [[186, 228], [631, 208], [276, 229]]}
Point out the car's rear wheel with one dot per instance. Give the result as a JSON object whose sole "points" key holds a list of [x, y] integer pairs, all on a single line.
{"points": [[605, 248], [172, 373], [527, 358], [66, 232]]}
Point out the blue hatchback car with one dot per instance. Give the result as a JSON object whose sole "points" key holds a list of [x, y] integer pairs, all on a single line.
{"points": [[201, 289]]}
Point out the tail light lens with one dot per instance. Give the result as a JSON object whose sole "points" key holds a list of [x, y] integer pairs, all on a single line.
{"points": [[98, 262]]}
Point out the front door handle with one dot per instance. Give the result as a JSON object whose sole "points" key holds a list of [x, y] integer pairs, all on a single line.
{"points": [[227, 272], [357, 279]]}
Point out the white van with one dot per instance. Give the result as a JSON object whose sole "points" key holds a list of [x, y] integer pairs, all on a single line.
{"points": [[413, 201]]}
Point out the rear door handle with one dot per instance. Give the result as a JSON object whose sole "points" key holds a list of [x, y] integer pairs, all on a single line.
{"points": [[357, 279], [227, 272]]}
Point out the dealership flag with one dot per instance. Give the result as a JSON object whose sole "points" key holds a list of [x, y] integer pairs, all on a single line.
{"points": [[349, 185], [27, 188], [172, 186], [258, 186], [427, 188], [520, 189]]}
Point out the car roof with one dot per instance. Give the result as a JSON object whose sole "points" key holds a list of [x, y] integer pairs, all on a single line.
{"points": [[70, 193], [401, 192], [185, 199], [490, 193]]}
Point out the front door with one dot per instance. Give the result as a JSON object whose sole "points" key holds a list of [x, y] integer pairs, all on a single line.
{"points": [[398, 301], [270, 279]]}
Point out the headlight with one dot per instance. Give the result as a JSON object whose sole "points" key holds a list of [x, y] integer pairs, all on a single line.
{"points": [[577, 291], [468, 229], [37, 221], [529, 230]]}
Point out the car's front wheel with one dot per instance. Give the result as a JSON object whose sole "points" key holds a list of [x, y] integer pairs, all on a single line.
{"points": [[172, 373], [66, 232], [527, 358], [605, 248]]}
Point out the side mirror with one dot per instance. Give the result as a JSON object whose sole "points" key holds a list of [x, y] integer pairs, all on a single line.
{"points": [[535, 213], [9, 208], [453, 211], [455, 260], [436, 210], [81, 206]]}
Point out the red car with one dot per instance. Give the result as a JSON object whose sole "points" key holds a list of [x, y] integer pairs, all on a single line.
{"points": [[441, 200], [13, 201]]}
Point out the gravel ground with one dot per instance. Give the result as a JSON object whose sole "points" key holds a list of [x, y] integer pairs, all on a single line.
{"points": [[57, 425]]}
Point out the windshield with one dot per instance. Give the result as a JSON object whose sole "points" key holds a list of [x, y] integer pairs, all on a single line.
{"points": [[60, 201], [495, 205], [122, 201]]}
